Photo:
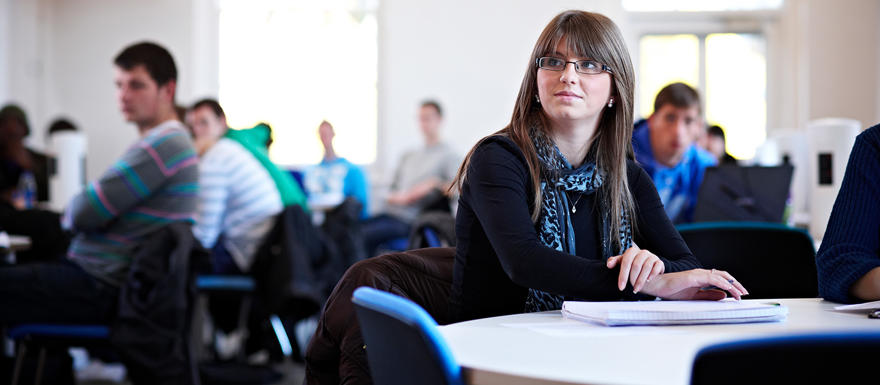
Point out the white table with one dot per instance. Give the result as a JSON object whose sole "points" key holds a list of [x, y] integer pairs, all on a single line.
{"points": [[545, 348]]}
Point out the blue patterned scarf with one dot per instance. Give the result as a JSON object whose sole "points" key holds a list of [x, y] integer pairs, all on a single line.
{"points": [[558, 180]]}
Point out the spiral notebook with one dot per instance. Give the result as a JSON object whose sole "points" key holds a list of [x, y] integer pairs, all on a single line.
{"points": [[674, 312]]}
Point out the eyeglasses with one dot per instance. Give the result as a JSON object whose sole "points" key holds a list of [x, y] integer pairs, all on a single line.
{"points": [[588, 67]]}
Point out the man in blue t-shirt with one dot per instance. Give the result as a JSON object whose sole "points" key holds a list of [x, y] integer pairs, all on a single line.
{"points": [[335, 178], [664, 146]]}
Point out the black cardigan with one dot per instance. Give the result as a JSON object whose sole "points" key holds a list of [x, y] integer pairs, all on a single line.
{"points": [[499, 255]]}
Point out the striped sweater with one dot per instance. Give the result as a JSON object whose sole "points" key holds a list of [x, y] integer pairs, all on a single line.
{"points": [[153, 184], [238, 201], [851, 245]]}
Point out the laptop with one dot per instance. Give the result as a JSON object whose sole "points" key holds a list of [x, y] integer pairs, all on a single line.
{"points": [[734, 193]]}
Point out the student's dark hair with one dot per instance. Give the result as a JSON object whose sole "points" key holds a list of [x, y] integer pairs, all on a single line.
{"points": [[156, 59], [679, 95], [59, 125], [716, 130], [210, 103], [180, 111], [435, 104], [15, 113]]}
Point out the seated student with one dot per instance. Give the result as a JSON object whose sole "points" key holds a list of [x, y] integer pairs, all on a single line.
{"points": [[421, 176], [43, 227], [664, 147], [34, 180], [848, 261], [553, 207], [257, 140], [144, 191], [715, 143], [238, 200], [335, 178]]}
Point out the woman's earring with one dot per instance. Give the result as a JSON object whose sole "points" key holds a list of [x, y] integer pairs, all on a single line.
{"points": [[537, 99], [610, 102]]}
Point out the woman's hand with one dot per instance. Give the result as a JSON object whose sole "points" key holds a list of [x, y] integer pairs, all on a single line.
{"points": [[636, 266], [694, 284]]}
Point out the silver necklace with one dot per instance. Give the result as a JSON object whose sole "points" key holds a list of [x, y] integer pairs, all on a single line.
{"points": [[574, 206]]}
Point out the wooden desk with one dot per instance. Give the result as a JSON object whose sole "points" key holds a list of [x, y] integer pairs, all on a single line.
{"points": [[545, 348]]}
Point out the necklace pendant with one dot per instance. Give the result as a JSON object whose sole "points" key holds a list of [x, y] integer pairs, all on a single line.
{"points": [[574, 209]]}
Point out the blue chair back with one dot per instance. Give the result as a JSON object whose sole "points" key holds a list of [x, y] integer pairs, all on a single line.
{"points": [[771, 260], [809, 358], [431, 237], [402, 341]]}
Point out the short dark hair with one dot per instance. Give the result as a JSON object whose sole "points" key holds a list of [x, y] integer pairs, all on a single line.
{"points": [[17, 114], [679, 95], [435, 104], [716, 130], [210, 103], [61, 125], [156, 59]]}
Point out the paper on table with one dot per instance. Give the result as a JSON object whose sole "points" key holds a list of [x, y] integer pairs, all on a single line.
{"points": [[860, 306], [673, 312]]}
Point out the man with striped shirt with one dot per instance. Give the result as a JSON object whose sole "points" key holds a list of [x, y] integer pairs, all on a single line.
{"points": [[238, 200], [153, 184]]}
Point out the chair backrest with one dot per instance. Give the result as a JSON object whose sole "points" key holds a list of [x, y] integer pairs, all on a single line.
{"points": [[770, 260], [828, 357], [402, 341], [432, 229], [431, 237]]}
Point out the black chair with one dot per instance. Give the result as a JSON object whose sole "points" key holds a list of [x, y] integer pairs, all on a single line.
{"points": [[402, 342], [813, 358], [152, 325], [432, 229], [770, 260]]}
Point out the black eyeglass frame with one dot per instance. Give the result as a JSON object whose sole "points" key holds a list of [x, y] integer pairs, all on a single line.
{"points": [[603, 67]]}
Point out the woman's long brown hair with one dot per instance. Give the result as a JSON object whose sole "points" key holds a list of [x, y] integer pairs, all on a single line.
{"points": [[593, 36]]}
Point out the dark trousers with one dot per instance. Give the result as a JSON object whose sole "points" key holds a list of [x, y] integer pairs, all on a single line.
{"points": [[58, 292], [380, 230]]}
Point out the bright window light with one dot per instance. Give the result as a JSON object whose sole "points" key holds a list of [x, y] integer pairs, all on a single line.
{"points": [[734, 86], [295, 63], [665, 59]]}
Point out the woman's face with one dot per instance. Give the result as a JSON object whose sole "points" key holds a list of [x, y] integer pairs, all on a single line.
{"points": [[570, 97]]}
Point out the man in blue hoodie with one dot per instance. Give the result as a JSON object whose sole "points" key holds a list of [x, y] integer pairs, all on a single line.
{"points": [[664, 146]]}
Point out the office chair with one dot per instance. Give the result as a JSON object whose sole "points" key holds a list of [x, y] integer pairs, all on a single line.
{"points": [[245, 286], [432, 229], [809, 358], [402, 342], [157, 288], [770, 260], [42, 336]]}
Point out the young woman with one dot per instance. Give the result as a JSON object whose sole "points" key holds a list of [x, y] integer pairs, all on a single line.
{"points": [[553, 206]]}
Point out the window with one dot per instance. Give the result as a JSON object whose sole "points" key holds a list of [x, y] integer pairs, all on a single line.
{"points": [[729, 70], [295, 63]]}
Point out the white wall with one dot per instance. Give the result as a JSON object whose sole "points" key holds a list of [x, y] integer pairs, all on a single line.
{"points": [[843, 57]]}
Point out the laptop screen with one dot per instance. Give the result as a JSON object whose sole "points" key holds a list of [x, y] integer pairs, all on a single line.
{"points": [[733, 193]]}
